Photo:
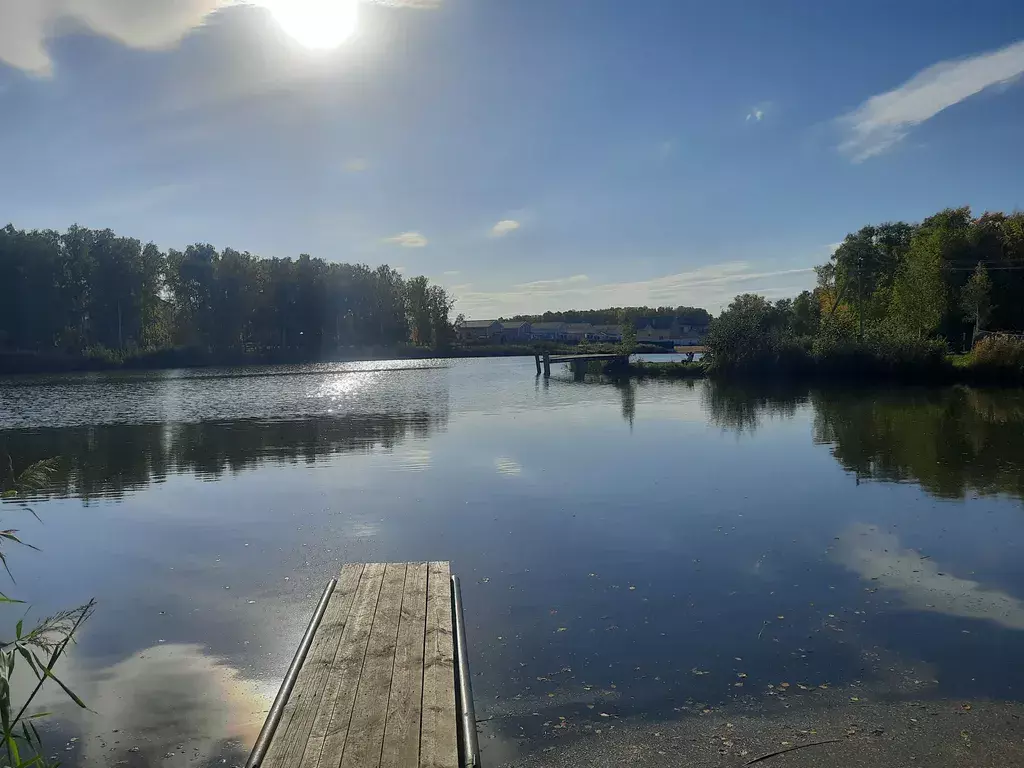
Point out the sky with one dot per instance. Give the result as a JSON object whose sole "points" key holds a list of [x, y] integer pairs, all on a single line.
{"points": [[526, 154]]}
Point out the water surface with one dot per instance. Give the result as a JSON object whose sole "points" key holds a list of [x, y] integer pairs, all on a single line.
{"points": [[625, 550]]}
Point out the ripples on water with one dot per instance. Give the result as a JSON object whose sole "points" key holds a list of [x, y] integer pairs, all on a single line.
{"points": [[624, 549]]}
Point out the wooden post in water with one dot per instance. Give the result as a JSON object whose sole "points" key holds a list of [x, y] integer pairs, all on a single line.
{"points": [[547, 365], [536, 359]]}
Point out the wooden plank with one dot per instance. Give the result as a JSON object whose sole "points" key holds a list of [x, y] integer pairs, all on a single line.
{"points": [[366, 730], [438, 745], [330, 725], [402, 732], [293, 731]]}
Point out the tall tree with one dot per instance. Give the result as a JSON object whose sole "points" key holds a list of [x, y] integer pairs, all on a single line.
{"points": [[976, 298]]}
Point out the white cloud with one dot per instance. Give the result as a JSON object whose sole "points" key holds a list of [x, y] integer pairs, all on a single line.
{"points": [[504, 227], [885, 119], [408, 240], [27, 25], [755, 115], [356, 165], [711, 287], [552, 285]]}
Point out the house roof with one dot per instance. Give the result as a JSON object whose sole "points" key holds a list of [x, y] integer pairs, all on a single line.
{"points": [[608, 328], [477, 323], [513, 326], [579, 327], [549, 326]]}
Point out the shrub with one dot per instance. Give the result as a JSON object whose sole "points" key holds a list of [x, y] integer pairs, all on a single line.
{"points": [[999, 355], [753, 336], [881, 355]]}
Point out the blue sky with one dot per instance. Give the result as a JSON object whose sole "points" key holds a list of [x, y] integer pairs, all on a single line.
{"points": [[527, 154]]}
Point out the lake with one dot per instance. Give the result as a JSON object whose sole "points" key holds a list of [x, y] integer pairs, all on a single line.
{"points": [[629, 553]]}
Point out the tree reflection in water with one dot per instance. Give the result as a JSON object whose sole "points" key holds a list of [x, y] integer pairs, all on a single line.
{"points": [[953, 441], [112, 459]]}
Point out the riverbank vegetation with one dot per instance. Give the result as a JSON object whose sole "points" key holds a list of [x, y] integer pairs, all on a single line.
{"points": [[91, 298], [38, 648], [896, 300]]}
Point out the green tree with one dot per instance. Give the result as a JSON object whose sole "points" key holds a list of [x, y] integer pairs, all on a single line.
{"points": [[976, 297], [918, 300], [628, 336]]}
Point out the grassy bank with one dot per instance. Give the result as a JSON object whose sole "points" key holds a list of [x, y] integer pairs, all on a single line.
{"points": [[648, 369], [996, 360]]}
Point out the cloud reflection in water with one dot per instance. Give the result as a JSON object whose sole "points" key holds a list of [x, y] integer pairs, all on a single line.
{"points": [[877, 556]]}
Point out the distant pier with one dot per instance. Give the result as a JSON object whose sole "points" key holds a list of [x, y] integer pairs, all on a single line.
{"points": [[578, 363]]}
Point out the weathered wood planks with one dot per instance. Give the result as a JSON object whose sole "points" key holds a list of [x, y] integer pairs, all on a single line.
{"points": [[377, 689]]}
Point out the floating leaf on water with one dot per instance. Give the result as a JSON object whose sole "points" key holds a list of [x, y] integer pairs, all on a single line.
{"points": [[783, 685], [632, 588], [854, 698], [563, 629], [780, 617]]}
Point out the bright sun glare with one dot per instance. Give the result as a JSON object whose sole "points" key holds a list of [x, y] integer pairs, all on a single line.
{"points": [[316, 23]]}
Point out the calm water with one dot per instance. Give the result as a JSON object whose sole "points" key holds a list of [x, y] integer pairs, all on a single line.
{"points": [[624, 550]]}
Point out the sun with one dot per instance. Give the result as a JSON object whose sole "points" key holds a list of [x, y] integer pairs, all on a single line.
{"points": [[316, 23]]}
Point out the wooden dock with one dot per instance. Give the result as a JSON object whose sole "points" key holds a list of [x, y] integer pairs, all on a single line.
{"points": [[377, 681], [576, 362]]}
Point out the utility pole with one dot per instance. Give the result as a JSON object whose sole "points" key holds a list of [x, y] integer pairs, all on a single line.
{"points": [[860, 297]]}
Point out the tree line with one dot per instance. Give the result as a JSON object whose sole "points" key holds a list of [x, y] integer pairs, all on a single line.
{"points": [[84, 290], [619, 315], [950, 275], [892, 294]]}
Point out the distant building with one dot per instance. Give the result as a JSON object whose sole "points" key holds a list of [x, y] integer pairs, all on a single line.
{"points": [[608, 333], [549, 331], [479, 330], [578, 332], [670, 332], [515, 332]]}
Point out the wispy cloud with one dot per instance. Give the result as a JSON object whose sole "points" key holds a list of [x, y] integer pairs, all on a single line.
{"points": [[27, 25], [504, 227], [755, 115], [552, 285], [885, 119], [356, 165], [711, 286], [408, 240], [423, 4]]}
